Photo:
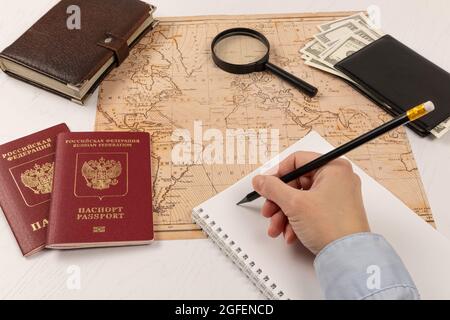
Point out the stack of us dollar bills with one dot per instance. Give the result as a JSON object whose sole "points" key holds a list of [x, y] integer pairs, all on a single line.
{"points": [[339, 39]]}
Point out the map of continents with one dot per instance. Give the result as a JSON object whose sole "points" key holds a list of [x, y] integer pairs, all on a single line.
{"points": [[169, 81]]}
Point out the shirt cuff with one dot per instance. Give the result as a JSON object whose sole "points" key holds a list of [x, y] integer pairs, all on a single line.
{"points": [[363, 266]]}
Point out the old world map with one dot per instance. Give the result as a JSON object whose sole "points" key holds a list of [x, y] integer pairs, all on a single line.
{"points": [[169, 81]]}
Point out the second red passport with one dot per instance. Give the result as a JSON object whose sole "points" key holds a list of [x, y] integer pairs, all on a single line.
{"points": [[102, 191]]}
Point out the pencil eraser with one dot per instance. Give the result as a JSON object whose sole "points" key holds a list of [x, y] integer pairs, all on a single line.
{"points": [[429, 106]]}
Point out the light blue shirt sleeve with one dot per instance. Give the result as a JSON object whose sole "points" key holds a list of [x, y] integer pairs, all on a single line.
{"points": [[363, 266]]}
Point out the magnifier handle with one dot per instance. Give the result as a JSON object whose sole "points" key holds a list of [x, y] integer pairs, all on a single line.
{"points": [[310, 90]]}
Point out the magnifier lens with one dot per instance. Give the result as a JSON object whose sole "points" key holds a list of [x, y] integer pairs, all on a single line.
{"points": [[240, 49]]}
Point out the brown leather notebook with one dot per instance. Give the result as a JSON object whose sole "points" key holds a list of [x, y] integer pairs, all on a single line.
{"points": [[26, 172], [102, 191], [76, 44]]}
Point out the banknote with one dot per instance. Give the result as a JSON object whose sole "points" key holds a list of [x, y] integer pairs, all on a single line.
{"points": [[376, 33], [331, 36], [366, 34], [441, 129], [359, 17], [313, 48], [319, 65], [343, 49], [335, 32], [325, 43]]}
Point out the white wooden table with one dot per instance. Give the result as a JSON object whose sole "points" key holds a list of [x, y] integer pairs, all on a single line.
{"points": [[186, 269]]}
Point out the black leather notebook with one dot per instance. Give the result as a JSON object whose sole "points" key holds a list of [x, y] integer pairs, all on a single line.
{"points": [[397, 78]]}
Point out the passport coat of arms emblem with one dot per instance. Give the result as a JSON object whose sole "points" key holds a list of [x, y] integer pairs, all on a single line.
{"points": [[39, 178], [101, 174]]}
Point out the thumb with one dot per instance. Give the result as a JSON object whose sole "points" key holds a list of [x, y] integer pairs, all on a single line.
{"points": [[273, 189]]}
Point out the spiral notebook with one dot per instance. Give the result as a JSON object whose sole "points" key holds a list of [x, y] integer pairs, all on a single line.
{"points": [[286, 272]]}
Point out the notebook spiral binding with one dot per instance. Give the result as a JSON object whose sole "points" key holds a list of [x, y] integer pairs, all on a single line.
{"points": [[237, 255]]}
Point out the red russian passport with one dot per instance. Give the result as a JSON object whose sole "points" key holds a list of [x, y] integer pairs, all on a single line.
{"points": [[102, 191], [26, 172]]}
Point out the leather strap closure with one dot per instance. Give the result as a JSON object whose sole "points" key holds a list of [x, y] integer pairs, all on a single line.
{"points": [[116, 44]]}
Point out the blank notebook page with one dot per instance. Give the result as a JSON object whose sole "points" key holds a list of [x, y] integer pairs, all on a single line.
{"points": [[286, 272]]}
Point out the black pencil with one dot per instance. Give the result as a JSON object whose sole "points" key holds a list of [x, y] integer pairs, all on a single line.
{"points": [[411, 115]]}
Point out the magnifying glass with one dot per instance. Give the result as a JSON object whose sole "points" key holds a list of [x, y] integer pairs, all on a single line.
{"points": [[243, 50]]}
